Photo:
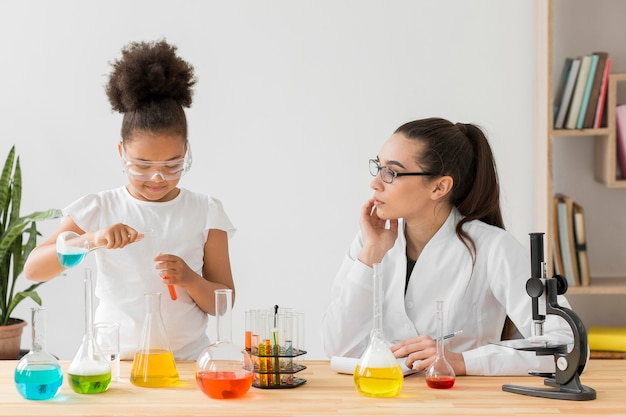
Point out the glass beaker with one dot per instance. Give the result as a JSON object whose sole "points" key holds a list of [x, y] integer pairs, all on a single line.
{"points": [[38, 375], [378, 373], [154, 365], [89, 372], [223, 370], [440, 374]]}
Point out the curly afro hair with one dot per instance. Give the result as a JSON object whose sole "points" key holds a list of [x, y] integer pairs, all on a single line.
{"points": [[149, 72]]}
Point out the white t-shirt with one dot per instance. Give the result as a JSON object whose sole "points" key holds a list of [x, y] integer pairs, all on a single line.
{"points": [[179, 227], [476, 299]]}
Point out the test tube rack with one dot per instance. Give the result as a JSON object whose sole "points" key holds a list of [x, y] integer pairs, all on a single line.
{"points": [[275, 368]]}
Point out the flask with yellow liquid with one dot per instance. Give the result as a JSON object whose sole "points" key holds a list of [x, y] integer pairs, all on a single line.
{"points": [[154, 365], [378, 373]]}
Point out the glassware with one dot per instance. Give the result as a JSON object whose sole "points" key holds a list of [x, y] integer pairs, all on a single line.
{"points": [[154, 365], [72, 248], [107, 336], [223, 370], [38, 375], [378, 373], [440, 374], [89, 372]]}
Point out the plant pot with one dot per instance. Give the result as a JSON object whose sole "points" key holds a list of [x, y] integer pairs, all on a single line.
{"points": [[11, 338]]}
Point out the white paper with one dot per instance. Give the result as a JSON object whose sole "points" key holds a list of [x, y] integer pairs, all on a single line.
{"points": [[345, 365]]}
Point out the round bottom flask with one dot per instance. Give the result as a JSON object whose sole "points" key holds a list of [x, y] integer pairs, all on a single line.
{"points": [[378, 373], [38, 375], [440, 374], [89, 372], [223, 369]]}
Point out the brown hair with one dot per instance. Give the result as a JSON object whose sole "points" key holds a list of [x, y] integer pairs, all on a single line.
{"points": [[462, 152], [150, 85]]}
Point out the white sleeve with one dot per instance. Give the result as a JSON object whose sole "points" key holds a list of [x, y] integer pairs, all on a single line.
{"points": [[348, 319]]}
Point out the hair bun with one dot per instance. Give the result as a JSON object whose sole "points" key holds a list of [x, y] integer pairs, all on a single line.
{"points": [[149, 72]]}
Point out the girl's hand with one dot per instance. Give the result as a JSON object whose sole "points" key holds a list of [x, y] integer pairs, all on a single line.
{"points": [[173, 270], [423, 350], [116, 236], [377, 239]]}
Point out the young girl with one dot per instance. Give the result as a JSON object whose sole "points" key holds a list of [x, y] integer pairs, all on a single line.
{"points": [[434, 224], [155, 232]]}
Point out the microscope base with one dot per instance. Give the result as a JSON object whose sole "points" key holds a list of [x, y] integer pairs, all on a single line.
{"points": [[573, 390]]}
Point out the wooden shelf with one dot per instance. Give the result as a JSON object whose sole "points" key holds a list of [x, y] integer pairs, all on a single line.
{"points": [[579, 132], [601, 286]]}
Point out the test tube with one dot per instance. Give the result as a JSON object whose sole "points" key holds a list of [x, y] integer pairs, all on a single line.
{"points": [[248, 330], [287, 330]]}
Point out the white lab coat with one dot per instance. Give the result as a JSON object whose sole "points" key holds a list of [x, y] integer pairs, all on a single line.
{"points": [[476, 300]]}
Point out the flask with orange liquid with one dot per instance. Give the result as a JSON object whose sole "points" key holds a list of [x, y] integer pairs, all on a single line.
{"points": [[154, 365], [223, 369]]}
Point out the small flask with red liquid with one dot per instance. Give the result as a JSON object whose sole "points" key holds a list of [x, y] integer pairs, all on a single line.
{"points": [[440, 374], [223, 370]]}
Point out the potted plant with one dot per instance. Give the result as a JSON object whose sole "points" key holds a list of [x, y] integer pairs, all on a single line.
{"points": [[18, 237]]}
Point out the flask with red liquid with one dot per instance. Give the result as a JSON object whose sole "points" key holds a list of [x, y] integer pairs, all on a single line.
{"points": [[440, 374], [223, 370]]}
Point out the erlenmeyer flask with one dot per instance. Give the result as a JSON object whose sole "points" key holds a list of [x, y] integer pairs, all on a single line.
{"points": [[154, 365], [440, 374], [38, 375], [89, 372], [223, 369], [378, 373]]}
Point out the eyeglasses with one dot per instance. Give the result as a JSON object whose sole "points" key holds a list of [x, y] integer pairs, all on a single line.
{"points": [[150, 170], [388, 174]]}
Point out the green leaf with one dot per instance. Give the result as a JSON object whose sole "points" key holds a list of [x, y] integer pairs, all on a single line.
{"points": [[19, 297]]}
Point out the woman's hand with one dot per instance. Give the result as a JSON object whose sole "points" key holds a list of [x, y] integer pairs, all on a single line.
{"points": [[116, 236], [423, 350], [377, 239]]}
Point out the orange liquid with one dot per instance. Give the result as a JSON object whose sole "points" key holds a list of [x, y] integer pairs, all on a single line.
{"points": [[440, 382], [248, 340], [155, 368], [223, 385]]}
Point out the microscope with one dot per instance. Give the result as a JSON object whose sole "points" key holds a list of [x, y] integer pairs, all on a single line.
{"points": [[565, 382]]}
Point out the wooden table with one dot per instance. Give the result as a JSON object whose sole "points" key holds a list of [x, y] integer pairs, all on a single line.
{"points": [[325, 393]]}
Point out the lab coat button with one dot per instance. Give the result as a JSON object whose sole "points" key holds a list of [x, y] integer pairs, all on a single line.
{"points": [[409, 305]]}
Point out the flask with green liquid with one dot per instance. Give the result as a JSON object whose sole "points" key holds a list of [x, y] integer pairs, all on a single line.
{"points": [[378, 373], [89, 372]]}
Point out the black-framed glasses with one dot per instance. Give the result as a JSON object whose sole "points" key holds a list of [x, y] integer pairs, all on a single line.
{"points": [[388, 174]]}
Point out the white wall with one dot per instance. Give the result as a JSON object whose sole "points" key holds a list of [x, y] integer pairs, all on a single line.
{"points": [[293, 98]]}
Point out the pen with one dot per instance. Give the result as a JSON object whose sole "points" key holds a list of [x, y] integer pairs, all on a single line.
{"points": [[451, 335]]}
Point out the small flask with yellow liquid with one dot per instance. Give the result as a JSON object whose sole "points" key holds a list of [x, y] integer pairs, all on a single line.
{"points": [[378, 373], [154, 365]]}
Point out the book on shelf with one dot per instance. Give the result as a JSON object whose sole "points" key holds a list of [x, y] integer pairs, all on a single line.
{"points": [[620, 138], [565, 220], [579, 91], [600, 117], [580, 242], [607, 338], [572, 76], [556, 244], [595, 90], [558, 97], [587, 92]]}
